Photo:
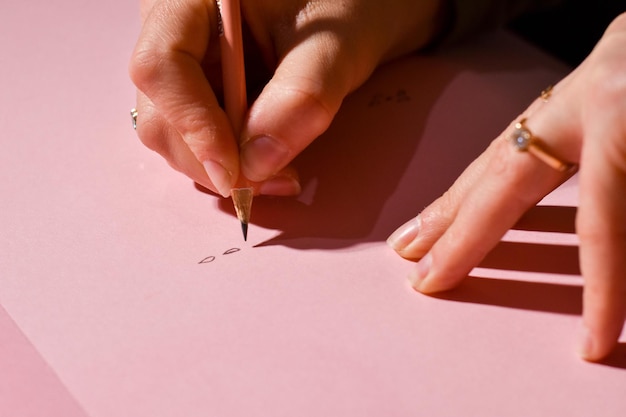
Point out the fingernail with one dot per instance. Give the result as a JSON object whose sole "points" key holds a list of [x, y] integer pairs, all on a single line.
{"points": [[405, 234], [280, 186], [262, 156], [219, 176], [585, 343], [421, 270]]}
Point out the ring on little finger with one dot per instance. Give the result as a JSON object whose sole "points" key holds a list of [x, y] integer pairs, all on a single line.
{"points": [[133, 115]]}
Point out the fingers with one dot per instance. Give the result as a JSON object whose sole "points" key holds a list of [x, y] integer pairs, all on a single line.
{"points": [[601, 225], [586, 108], [158, 135], [325, 50], [415, 238], [299, 102], [166, 67], [145, 7], [320, 62], [459, 229], [601, 220], [509, 185], [433, 222]]}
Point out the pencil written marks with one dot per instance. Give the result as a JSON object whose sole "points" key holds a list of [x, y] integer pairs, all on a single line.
{"points": [[399, 96], [212, 258]]}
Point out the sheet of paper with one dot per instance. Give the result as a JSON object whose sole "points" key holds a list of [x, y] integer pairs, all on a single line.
{"points": [[127, 291]]}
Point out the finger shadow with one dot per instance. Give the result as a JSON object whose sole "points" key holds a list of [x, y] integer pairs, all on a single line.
{"points": [[350, 173], [537, 256], [529, 256], [544, 297], [558, 219], [533, 257], [400, 141], [532, 296], [524, 295], [617, 357]]}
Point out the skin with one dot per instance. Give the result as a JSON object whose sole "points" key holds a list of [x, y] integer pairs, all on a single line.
{"points": [[308, 55], [584, 122], [315, 52]]}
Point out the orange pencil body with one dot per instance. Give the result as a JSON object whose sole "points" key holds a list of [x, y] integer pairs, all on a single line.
{"points": [[235, 98]]}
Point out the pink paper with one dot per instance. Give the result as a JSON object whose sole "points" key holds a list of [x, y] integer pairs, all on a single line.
{"points": [[28, 387], [127, 295]]}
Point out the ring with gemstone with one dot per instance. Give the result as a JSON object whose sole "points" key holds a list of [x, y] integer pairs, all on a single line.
{"points": [[524, 141], [546, 93], [133, 115]]}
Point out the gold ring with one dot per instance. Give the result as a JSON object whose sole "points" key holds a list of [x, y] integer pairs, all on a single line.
{"points": [[524, 141], [133, 115], [546, 93]]}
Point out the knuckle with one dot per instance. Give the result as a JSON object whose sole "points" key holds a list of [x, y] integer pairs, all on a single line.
{"points": [[608, 72], [608, 81], [597, 234], [619, 23], [500, 163], [309, 97], [152, 131], [145, 66]]}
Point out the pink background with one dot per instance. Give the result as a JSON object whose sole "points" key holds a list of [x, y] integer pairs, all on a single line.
{"points": [[106, 311]]}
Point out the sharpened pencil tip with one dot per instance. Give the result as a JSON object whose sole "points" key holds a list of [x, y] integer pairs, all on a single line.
{"points": [[242, 199], [244, 229]]}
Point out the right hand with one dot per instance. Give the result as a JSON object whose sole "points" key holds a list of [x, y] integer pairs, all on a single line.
{"points": [[316, 51]]}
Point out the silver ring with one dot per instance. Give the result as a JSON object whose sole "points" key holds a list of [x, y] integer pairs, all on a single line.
{"points": [[133, 115]]}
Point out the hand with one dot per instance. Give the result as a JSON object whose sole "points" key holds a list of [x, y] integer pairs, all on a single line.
{"points": [[583, 122], [316, 52]]}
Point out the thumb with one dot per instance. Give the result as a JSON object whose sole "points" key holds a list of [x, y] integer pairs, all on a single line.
{"points": [[299, 102]]}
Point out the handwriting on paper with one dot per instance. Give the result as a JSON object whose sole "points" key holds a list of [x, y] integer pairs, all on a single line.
{"points": [[399, 96], [212, 258]]}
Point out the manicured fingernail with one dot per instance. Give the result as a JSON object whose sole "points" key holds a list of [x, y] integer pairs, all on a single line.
{"points": [[262, 156], [280, 186], [421, 270], [405, 234], [585, 343], [219, 176]]}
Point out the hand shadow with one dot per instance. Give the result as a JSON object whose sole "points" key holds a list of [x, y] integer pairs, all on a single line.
{"points": [[400, 141], [546, 297]]}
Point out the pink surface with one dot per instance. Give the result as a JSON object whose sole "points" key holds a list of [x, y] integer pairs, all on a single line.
{"points": [[28, 387], [107, 308]]}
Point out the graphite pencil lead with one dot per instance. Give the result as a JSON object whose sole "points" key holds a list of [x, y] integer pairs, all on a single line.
{"points": [[244, 230], [242, 199]]}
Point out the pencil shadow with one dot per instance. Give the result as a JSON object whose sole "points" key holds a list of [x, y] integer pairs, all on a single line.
{"points": [[398, 143], [349, 173]]}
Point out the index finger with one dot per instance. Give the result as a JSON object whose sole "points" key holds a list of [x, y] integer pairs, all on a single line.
{"points": [[166, 66]]}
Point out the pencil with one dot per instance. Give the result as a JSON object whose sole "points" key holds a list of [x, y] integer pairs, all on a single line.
{"points": [[234, 85]]}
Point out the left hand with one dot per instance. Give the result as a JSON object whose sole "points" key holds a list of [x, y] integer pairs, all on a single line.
{"points": [[584, 122]]}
